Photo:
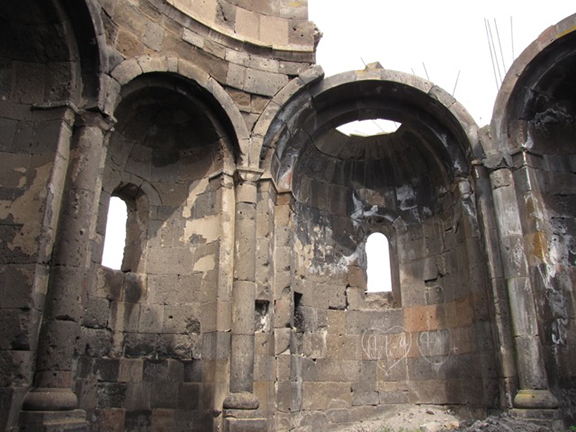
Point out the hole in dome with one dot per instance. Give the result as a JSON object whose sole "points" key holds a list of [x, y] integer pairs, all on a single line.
{"points": [[370, 127]]}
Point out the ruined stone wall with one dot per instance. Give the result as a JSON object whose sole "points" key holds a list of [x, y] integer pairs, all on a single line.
{"points": [[151, 332], [343, 354], [351, 352], [164, 318]]}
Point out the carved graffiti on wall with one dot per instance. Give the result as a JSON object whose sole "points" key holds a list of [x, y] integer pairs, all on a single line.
{"points": [[435, 346], [388, 347]]}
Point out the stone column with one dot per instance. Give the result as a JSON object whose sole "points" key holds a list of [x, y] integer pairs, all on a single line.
{"points": [[533, 382], [52, 394], [241, 404], [505, 344]]}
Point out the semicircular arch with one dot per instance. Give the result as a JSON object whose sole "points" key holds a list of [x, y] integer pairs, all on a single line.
{"points": [[540, 74], [213, 92], [321, 106]]}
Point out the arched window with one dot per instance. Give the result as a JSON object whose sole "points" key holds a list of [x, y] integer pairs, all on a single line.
{"points": [[126, 229], [378, 271], [115, 239]]}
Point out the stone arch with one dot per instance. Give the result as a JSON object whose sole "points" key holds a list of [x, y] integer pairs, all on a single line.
{"points": [[172, 154], [301, 108], [130, 69], [86, 24], [168, 134], [263, 126], [412, 174], [416, 185], [540, 67]]}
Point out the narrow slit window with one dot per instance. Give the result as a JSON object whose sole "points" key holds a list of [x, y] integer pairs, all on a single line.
{"points": [[378, 272], [115, 239]]}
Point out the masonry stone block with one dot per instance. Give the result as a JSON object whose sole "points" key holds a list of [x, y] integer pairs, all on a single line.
{"points": [[314, 345], [97, 313], [131, 370], [138, 396], [156, 370], [393, 397], [247, 24], [243, 347], [323, 395], [391, 371], [324, 297], [151, 319], [264, 83], [189, 395], [153, 36], [338, 370], [302, 369], [362, 398], [111, 419], [182, 318], [358, 322], [111, 395], [140, 345], [263, 368], [164, 395], [126, 71], [424, 318], [17, 368], [138, 420], [301, 32], [282, 340]]}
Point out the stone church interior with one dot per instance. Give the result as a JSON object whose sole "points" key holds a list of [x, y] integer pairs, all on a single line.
{"points": [[242, 300]]}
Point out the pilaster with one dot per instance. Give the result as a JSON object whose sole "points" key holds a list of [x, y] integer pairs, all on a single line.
{"points": [[533, 381], [241, 405]]}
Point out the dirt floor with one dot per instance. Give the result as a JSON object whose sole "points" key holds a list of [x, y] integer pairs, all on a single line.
{"points": [[438, 418]]}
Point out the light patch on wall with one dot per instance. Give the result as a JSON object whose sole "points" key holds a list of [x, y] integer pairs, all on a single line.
{"points": [[204, 264], [115, 238], [22, 210], [378, 270], [207, 228], [370, 127], [196, 188]]}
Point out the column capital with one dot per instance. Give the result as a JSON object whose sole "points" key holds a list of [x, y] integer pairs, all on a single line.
{"points": [[251, 175], [89, 118]]}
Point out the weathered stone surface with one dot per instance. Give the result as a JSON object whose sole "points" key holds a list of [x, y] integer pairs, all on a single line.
{"points": [[245, 262]]}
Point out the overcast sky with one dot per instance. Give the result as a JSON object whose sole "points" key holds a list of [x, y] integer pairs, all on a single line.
{"points": [[445, 36]]}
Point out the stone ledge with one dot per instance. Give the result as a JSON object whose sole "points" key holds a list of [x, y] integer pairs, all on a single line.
{"points": [[53, 421]]}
